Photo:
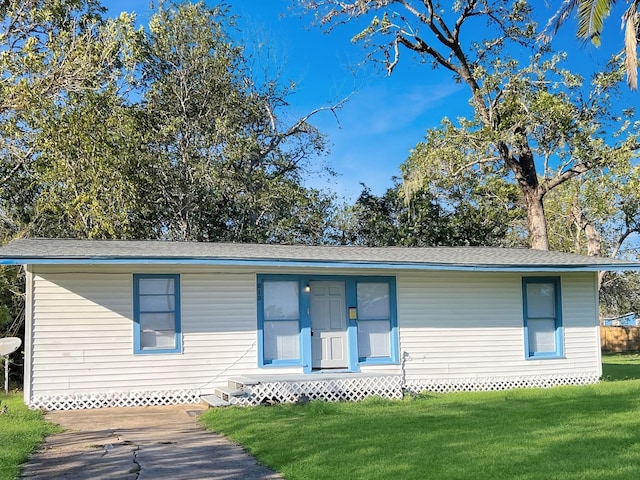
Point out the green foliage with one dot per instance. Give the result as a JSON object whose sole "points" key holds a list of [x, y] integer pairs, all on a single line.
{"points": [[163, 132], [49, 49], [12, 317], [419, 26], [453, 218], [591, 15], [599, 214], [544, 113], [527, 119], [21, 431], [586, 432], [226, 168], [620, 294], [606, 199], [53, 52], [90, 167], [11, 300]]}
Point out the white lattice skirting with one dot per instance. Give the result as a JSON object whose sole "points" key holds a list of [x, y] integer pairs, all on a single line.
{"points": [[499, 383], [114, 399], [338, 389], [331, 390]]}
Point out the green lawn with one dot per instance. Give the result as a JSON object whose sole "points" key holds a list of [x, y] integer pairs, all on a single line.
{"points": [[21, 431], [582, 433], [621, 366]]}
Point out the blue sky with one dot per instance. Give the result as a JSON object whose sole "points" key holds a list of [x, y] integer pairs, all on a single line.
{"points": [[386, 116], [380, 123]]}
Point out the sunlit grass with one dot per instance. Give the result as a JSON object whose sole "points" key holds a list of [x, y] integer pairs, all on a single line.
{"points": [[21, 431], [585, 433], [588, 433]]}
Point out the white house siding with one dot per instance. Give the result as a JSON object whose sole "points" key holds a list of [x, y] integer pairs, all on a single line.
{"points": [[463, 331], [458, 330], [82, 334]]}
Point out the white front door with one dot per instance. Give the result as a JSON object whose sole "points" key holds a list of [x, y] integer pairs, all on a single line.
{"points": [[328, 325]]}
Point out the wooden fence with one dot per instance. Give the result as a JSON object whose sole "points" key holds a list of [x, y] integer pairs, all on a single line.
{"points": [[620, 339]]}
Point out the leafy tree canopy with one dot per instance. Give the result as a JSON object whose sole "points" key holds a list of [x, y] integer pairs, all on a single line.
{"points": [[112, 131], [109, 131], [534, 123], [431, 218]]}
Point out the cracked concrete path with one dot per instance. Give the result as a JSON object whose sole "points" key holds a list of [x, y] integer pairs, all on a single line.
{"points": [[139, 443]]}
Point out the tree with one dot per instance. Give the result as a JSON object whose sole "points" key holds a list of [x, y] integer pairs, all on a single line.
{"points": [[91, 169], [157, 133], [53, 52], [500, 140], [428, 219], [228, 167], [591, 15], [60, 112], [620, 294], [48, 49], [599, 215], [601, 211], [377, 221], [108, 131]]}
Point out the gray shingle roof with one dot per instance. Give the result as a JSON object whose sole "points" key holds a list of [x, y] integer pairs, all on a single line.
{"points": [[62, 251]]}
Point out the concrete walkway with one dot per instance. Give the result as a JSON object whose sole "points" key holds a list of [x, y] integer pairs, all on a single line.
{"points": [[139, 443]]}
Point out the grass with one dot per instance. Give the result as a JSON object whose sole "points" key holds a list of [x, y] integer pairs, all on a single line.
{"points": [[621, 366], [585, 433], [21, 431]]}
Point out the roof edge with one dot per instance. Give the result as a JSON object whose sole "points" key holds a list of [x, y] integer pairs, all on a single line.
{"points": [[321, 264]]}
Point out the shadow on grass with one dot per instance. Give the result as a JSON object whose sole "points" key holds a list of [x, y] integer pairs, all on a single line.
{"points": [[621, 366]]}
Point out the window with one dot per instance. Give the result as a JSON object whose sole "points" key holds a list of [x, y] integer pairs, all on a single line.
{"points": [[156, 307], [281, 321], [374, 320], [542, 317], [367, 332]]}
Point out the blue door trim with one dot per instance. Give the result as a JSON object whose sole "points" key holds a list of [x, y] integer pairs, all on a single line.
{"points": [[350, 282]]}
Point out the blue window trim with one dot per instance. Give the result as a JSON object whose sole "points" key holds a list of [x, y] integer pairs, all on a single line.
{"points": [[136, 314], [393, 323], [293, 362], [350, 282], [559, 337]]}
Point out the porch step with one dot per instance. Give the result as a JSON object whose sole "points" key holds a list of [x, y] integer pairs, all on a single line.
{"points": [[333, 386], [226, 393], [214, 401], [239, 382]]}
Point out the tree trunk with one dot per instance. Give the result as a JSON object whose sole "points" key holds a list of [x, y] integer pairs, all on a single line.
{"points": [[523, 167], [594, 241], [536, 221]]}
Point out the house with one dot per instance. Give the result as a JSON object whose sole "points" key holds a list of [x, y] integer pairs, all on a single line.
{"points": [[121, 323]]}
